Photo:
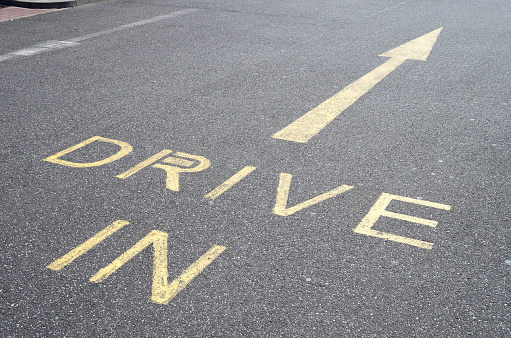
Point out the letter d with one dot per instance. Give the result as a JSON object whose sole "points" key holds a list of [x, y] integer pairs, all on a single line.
{"points": [[126, 148]]}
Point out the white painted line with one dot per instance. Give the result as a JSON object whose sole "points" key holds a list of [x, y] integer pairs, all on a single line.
{"points": [[134, 24], [6, 57], [39, 48], [53, 44], [43, 47]]}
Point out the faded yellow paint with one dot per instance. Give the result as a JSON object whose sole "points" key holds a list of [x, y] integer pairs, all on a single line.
{"points": [[155, 237], [378, 209], [144, 164], [230, 182], [283, 193], [126, 148], [416, 49], [178, 161], [172, 182], [162, 292], [86, 246], [182, 159], [305, 127]]}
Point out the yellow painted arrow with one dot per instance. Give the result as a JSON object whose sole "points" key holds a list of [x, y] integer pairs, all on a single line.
{"points": [[304, 128]]}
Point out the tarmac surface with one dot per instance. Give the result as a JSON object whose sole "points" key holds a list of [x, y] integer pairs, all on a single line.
{"points": [[144, 192]]}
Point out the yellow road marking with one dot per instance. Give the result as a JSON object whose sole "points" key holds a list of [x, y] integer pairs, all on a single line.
{"points": [[162, 292], [144, 164], [126, 148], [178, 161], [283, 193], [305, 127], [86, 246], [173, 172], [230, 182], [378, 209], [155, 237], [172, 182]]}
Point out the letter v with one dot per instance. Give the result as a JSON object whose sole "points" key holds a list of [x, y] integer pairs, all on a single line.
{"points": [[283, 193]]}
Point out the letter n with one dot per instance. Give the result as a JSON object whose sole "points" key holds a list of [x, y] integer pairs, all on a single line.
{"points": [[162, 291]]}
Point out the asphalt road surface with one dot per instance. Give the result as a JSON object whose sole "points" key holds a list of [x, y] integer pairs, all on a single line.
{"points": [[154, 181]]}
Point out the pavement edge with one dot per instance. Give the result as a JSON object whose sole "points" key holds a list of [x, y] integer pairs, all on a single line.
{"points": [[45, 4]]}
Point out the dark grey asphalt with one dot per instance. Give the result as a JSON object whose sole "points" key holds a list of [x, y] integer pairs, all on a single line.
{"points": [[218, 82]]}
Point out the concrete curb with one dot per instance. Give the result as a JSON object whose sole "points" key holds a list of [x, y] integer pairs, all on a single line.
{"points": [[45, 4]]}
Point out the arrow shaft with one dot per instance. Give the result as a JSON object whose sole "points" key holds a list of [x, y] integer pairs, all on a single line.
{"points": [[305, 127]]}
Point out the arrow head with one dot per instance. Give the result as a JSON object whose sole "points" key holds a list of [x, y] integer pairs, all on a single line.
{"points": [[417, 49]]}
